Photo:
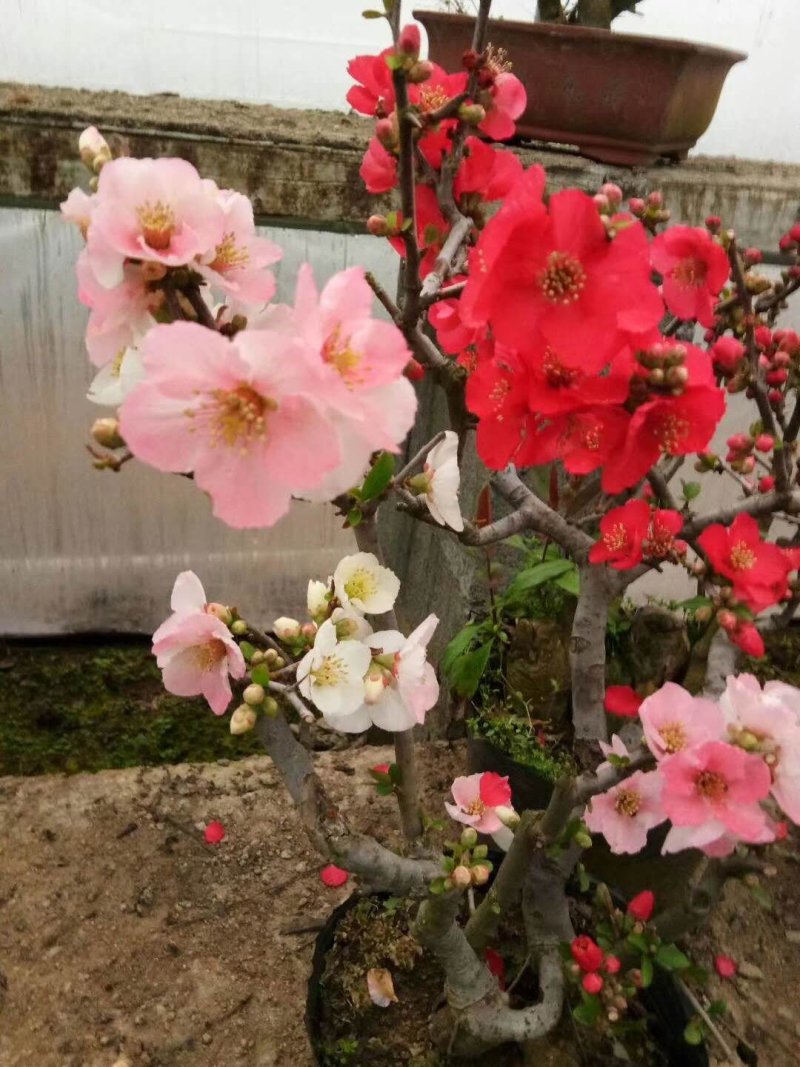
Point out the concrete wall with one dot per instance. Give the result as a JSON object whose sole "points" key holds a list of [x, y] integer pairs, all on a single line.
{"points": [[295, 55]]}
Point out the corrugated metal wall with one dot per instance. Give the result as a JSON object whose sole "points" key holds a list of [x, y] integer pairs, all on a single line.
{"points": [[83, 550]]}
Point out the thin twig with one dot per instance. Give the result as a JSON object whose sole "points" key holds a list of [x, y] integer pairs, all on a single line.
{"points": [[732, 1056], [419, 457]]}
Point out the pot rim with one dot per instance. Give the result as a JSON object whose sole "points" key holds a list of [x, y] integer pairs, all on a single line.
{"points": [[590, 33]]}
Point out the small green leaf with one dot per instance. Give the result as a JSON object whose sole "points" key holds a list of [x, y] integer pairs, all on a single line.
{"points": [[247, 649], [690, 490], [584, 881], [448, 864], [395, 774], [647, 971], [671, 958], [394, 61], [693, 1034], [537, 575], [638, 942], [379, 476], [354, 516], [384, 789], [588, 1011], [762, 896], [570, 582], [372, 15], [691, 605], [260, 674], [437, 886], [468, 670], [717, 1008]]}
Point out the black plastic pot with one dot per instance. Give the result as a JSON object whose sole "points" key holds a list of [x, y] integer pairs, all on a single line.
{"points": [[529, 790], [667, 1005]]}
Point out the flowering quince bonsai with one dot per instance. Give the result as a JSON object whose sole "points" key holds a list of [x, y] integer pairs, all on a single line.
{"points": [[573, 332]]}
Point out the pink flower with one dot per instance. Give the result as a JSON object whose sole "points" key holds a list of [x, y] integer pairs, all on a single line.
{"points": [[725, 966], [214, 833], [120, 316], [505, 101], [716, 783], [674, 720], [78, 208], [194, 649], [152, 209], [477, 796], [378, 168], [642, 905], [242, 415], [407, 689], [333, 876], [694, 268], [625, 814], [760, 722], [360, 361], [237, 263], [616, 748], [622, 700]]}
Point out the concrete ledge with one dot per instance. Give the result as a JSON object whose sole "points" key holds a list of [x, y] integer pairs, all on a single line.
{"points": [[301, 167]]}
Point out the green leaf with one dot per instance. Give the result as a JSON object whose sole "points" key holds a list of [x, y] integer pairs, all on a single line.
{"points": [[468, 669], [260, 674], [459, 645], [693, 1034], [534, 576], [384, 789], [588, 1011], [671, 958], [717, 1008], [761, 896], [437, 886], [372, 15], [647, 971], [584, 881], [395, 774], [690, 490], [354, 516], [638, 942], [246, 649], [693, 603], [394, 61], [570, 582], [379, 476]]}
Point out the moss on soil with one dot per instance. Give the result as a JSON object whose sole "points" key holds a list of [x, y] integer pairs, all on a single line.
{"points": [[78, 707]]}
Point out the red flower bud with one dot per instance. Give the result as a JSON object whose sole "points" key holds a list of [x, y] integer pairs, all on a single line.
{"points": [[637, 206], [612, 192], [414, 371], [765, 442], [753, 255], [612, 965], [603, 206], [641, 907], [409, 40], [763, 336], [725, 966], [786, 243], [775, 397], [766, 484], [592, 983], [714, 223], [727, 619], [740, 442], [655, 199], [777, 377], [586, 953], [380, 768], [727, 354], [470, 60], [386, 132], [214, 833], [794, 233], [377, 226]]}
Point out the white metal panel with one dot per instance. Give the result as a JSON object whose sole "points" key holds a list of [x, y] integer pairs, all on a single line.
{"points": [[85, 550]]}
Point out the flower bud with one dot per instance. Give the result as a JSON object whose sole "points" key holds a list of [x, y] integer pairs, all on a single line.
{"points": [[786, 243], [612, 964], [414, 371], [582, 839], [480, 852], [765, 442], [242, 719], [374, 687], [480, 874], [592, 983], [377, 226], [602, 204], [766, 484], [420, 72], [747, 465], [637, 206], [286, 629], [461, 877], [752, 256], [655, 199], [726, 619], [473, 114], [408, 40], [794, 233], [317, 599], [221, 612], [254, 695], [714, 223], [613, 193], [613, 1015], [507, 816], [309, 630], [386, 132], [239, 628], [469, 837], [93, 149], [703, 614], [270, 707], [106, 433]]}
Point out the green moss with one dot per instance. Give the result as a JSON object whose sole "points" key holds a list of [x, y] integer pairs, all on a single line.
{"points": [[69, 708], [514, 736]]}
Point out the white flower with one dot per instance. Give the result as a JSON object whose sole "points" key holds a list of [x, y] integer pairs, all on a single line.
{"points": [[317, 599], [439, 482], [360, 582], [616, 748], [331, 676], [116, 379], [410, 687]]}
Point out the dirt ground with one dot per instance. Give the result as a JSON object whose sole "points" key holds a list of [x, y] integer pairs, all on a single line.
{"points": [[122, 935]]}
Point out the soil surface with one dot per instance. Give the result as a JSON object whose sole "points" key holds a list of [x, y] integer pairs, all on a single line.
{"points": [[125, 941]]}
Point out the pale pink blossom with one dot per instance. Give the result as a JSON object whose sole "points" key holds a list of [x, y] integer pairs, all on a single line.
{"points": [[763, 721], [408, 686], [439, 482], [120, 316], [673, 720], [625, 814], [237, 265], [617, 748], [157, 210], [78, 208], [240, 414], [194, 649], [712, 838], [477, 798], [331, 676], [717, 783], [370, 403]]}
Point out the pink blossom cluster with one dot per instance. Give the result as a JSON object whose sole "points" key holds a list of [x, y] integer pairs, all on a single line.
{"points": [[726, 771], [258, 402]]}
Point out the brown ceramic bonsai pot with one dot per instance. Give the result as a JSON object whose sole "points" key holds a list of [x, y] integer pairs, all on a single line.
{"points": [[620, 98]]}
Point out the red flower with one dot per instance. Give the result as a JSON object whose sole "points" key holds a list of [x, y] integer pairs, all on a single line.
{"points": [[586, 953], [333, 876], [497, 392], [641, 907], [660, 542], [555, 271], [582, 440], [592, 983], [488, 172], [623, 701], [505, 100], [557, 387], [746, 637], [694, 268], [451, 333], [378, 168], [214, 833], [725, 966], [758, 570], [374, 95], [622, 534], [432, 228], [494, 790]]}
